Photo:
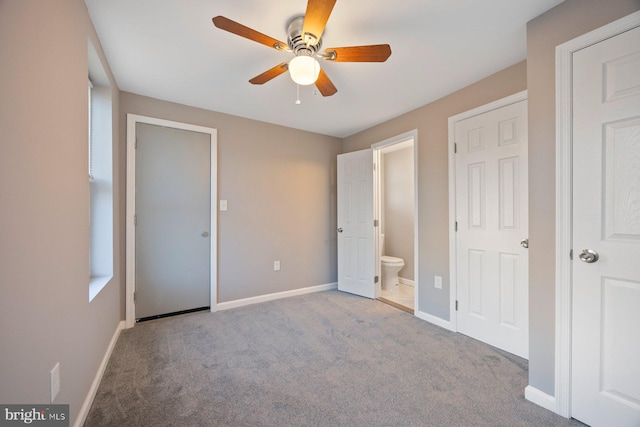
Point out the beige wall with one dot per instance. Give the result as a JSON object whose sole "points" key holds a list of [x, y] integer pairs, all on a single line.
{"points": [[431, 121], [45, 313], [563, 23], [280, 187], [398, 205]]}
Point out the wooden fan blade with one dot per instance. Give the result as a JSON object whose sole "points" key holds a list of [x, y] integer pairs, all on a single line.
{"points": [[270, 74], [324, 85], [315, 19], [372, 53], [248, 33]]}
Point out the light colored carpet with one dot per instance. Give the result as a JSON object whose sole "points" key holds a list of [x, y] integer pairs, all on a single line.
{"points": [[324, 359]]}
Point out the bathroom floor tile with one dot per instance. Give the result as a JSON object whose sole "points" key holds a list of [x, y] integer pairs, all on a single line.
{"points": [[403, 296]]}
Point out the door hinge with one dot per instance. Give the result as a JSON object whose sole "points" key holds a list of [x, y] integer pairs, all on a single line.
{"points": [[135, 219], [134, 297], [455, 148], [375, 222], [456, 305], [374, 166], [375, 279], [456, 226], [571, 254], [135, 144]]}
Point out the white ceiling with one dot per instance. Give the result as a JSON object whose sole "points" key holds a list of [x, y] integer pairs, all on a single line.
{"points": [[170, 50]]}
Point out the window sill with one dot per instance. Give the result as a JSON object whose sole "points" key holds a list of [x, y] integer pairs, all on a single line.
{"points": [[96, 284]]}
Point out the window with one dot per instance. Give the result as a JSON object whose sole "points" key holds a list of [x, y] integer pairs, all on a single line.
{"points": [[100, 171]]}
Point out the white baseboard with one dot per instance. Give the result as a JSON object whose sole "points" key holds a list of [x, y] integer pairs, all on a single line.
{"points": [[435, 320], [407, 282], [540, 398], [88, 401], [277, 295]]}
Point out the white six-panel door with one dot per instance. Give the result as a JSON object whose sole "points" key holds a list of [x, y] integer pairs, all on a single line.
{"points": [[355, 223], [605, 355], [492, 220]]}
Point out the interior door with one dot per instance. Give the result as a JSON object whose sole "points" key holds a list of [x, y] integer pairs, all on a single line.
{"points": [[605, 361], [173, 206], [492, 222], [355, 223]]}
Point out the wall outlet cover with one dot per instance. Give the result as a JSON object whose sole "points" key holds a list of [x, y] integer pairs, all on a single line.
{"points": [[438, 282]]}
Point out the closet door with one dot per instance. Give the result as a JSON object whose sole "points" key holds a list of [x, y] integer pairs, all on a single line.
{"points": [[492, 237], [173, 203]]}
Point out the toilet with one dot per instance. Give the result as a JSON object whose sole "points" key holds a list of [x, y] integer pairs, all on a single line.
{"points": [[390, 267]]}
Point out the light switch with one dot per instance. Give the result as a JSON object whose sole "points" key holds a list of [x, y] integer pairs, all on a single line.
{"points": [[223, 205], [276, 265]]}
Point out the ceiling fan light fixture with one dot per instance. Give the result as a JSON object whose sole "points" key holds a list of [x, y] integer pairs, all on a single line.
{"points": [[304, 70]]}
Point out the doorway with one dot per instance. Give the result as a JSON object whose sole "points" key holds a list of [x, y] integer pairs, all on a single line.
{"points": [[359, 214], [396, 232], [171, 188]]}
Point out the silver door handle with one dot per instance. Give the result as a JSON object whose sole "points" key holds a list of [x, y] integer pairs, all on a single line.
{"points": [[205, 234], [589, 256], [339, 229], [525, 243]]}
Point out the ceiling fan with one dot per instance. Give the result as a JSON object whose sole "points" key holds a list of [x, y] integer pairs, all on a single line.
{"points": [[305, 42]]}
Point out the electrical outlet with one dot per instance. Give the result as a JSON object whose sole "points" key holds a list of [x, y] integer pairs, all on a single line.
{"points": [[276, 265], [54, 376], [223, 205], [438, 282]]}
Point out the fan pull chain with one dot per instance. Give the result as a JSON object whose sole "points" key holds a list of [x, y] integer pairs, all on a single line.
{"points": [[298, 95]]}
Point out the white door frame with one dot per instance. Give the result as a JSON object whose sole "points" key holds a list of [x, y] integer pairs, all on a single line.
{"points": [[453, 265], [132, 121], [564, 225], [377, 147]]}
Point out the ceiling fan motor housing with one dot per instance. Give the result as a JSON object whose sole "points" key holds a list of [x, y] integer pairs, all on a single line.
{"points": [[296, 39]]}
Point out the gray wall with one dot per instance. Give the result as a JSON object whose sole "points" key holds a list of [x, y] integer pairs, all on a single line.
{"points": [[431, 121], [563, 23], [398, 207], [280, 186], [45, 313]]}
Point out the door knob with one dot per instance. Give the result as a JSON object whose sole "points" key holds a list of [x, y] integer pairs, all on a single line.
{"points": [[525, 243], [205, 234], [589, 256], [339, 229]]}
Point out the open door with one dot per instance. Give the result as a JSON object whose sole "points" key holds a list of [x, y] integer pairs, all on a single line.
{"points": [[355, 223]]}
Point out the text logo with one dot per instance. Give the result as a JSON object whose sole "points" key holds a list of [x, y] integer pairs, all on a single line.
{"points": [[34, 415]]}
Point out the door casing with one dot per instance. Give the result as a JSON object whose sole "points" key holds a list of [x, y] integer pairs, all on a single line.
{"points": [[561, 403], [130, 286]]}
